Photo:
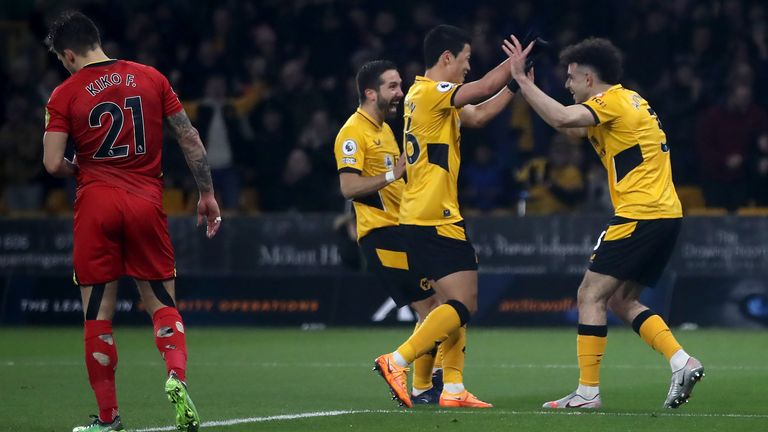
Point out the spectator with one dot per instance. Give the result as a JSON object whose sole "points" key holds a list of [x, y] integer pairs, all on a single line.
{"points": [[298, 94], [303, 55], [483, 179], [678, 101], [21, 153], [650, 49], [197, 71], [219, 125], [308, 181], [265, 157], [554, 184], [758, 161], [724, 136], [299, 189]]}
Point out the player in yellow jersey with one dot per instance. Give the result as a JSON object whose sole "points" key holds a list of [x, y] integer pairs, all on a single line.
{"points": [[437, 104], [634, 248], [370, 174]]}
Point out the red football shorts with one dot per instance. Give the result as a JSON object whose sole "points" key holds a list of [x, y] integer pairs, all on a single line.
{"points": [[117, 233]]}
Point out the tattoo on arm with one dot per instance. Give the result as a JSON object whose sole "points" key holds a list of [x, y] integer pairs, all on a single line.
{"points": [[194, 151]]}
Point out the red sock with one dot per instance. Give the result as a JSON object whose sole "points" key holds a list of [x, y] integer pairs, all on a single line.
{"points": [[170, 340], [101, 362]]}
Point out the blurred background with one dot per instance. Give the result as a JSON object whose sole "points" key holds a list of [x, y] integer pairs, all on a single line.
{"points": [[280, 74]]}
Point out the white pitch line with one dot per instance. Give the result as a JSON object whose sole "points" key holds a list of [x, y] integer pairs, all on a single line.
{"points": [[613, 414], [232, 422], [298, 416], [11, 363]]}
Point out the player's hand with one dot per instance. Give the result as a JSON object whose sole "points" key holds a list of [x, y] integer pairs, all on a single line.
{"points": [[517, 55], [72, 166], [399, 170], [208, 211], [530, 74]]}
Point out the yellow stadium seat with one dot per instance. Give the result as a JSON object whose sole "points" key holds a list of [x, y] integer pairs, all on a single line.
{"points": [[752, 211], [57, 202], [173, 201], [691, 197], [503, 212], [26, 214], [706, 211], [249, 200]]}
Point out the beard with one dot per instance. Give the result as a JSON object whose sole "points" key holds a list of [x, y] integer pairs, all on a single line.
{"points": [[387, 108]]}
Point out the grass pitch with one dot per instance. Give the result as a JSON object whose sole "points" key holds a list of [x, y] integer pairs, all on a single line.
{"points": [[246, 379]]}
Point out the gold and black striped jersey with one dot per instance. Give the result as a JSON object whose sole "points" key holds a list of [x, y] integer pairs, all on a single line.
{"points": [[634, 150], [369, 149], [432, 147]]}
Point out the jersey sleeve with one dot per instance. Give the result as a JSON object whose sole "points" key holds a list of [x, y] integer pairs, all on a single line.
{"points": [[604, 108], [350, 150], [171, 103], [440, 95], [57, 114]]}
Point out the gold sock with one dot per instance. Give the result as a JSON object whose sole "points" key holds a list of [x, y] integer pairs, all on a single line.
{"points": [[422, 368], [438, 357], [441, 322], [590, 350], [657, 335], [453, 356]]}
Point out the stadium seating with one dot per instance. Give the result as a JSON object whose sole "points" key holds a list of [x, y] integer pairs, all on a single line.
{"points": [[173, 201], [752, 211], [691, 197]]}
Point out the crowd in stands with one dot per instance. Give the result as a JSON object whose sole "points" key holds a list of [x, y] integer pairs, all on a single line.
{"points": [[269, 83]]}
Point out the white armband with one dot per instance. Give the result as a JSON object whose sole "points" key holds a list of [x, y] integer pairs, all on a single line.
{"points": [[390, 176]]}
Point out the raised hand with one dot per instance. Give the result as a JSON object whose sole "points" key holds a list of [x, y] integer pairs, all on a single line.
{"points": [[517, 55]]}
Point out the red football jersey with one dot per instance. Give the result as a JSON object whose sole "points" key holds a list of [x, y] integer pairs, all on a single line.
{"points": [[114, 111]]}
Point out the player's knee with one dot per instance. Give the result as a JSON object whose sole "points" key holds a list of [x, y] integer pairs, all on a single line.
{"points": [[464, 311], [589, 297], [424, 307], [95, 302], [433, 302], [164, 298], [469, 300], [625, 308], [471, 305]]}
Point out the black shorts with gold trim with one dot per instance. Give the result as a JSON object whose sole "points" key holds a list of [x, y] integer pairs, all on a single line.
{"points": [[441, 250], [384, 252], [635, 250]]}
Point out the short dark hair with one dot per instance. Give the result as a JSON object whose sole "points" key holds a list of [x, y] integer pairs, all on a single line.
{"points": [[73, 30], [597, 53], [369, 76], [441, 38]]}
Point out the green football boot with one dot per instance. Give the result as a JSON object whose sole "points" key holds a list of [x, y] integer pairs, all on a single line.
{"points": [[187, 418], [98, 426]]}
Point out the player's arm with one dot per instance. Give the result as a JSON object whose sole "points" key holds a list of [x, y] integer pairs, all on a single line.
{"points": [[482, 89], [477, 116], [354, 185], [194, 151], [553, 112], [197, 160], [54, 145]]}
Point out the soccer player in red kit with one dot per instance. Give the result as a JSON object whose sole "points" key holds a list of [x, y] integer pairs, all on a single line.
{"points": [[114, 112]]}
